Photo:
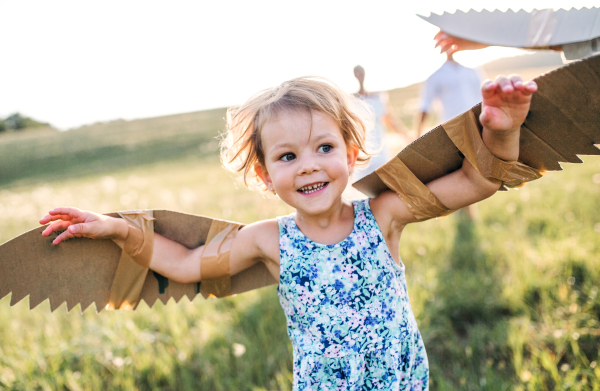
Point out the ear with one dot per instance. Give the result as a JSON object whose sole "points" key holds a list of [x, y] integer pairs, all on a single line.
{"points": [[263, 174], [352, 156]]}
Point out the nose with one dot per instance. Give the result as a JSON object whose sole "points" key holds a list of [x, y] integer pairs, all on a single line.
{"points": [[308, 165]]}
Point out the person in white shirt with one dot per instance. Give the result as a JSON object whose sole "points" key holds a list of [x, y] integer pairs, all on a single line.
{"points": [[456, 86]]}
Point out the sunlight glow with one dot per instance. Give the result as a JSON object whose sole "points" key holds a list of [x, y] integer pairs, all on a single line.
{"points": [[71, 63]]}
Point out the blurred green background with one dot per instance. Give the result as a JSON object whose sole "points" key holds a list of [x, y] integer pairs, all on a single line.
{"points": [[509, 301]]}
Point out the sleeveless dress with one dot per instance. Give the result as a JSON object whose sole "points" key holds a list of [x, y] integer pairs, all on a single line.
{"points": [[348, 312]]}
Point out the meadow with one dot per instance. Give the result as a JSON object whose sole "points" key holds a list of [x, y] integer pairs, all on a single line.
{"points": [[508, 301]]}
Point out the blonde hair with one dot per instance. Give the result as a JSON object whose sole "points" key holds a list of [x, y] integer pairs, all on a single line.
{"points": [[241, 146]]}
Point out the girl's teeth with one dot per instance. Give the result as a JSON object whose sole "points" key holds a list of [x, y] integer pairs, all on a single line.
{"points": [[312, 188]]}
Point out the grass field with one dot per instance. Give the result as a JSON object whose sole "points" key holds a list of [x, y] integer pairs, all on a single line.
{"points": [[510, 301]]}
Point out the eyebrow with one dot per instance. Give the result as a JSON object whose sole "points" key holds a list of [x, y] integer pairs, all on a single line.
{"points": [[282, 145], [289, 145]]}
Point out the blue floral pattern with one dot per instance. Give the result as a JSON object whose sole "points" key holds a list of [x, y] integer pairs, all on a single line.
{"points": [[348, 312]]}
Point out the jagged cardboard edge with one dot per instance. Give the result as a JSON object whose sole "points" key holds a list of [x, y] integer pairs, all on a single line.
{"points": [[80, 271], [510, 28], [563, 122]]}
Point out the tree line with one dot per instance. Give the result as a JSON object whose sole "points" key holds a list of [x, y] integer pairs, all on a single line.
{"points": [[19, 122]]}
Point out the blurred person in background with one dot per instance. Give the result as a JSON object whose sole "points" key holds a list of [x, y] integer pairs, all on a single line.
{"points": [[455, 86], [384, 117]]}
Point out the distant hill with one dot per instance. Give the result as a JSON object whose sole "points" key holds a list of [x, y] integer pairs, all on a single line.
{"points": [[541, 59]]}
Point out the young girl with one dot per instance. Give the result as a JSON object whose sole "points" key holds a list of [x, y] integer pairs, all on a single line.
{"points": [[341, 280]]}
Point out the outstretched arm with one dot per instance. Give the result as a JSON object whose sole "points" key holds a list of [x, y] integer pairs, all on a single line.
{"points": [[451, 44], [504, 108], [505, 105], [169, 258]]}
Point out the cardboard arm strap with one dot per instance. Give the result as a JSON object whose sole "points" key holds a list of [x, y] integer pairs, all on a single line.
{"points": [[417, 197], [135, 259], [215, 268], [139, 244], [464, 133]]}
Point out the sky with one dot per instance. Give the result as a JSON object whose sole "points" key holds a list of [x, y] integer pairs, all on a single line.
{"points": [[73, 62]]}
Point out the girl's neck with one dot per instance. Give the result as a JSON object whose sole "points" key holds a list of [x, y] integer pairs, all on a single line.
{"points": [[327, 228]]}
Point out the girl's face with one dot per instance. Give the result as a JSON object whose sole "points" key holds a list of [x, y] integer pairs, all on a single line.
{"points": [[307, 161]]}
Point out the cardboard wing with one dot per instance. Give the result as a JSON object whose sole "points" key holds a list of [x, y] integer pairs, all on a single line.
{"points": [[535, 29], [563, 122], [81, 271]]}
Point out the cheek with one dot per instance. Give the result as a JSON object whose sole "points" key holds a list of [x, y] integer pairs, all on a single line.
{"points": [[282, 177]]}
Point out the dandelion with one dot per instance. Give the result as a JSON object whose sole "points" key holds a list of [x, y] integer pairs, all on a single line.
{"points": [[238, 349], [118, 362]]}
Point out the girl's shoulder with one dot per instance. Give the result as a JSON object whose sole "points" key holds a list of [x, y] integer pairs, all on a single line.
{"points": [[389, 210], [264, 228], [264, 235]]}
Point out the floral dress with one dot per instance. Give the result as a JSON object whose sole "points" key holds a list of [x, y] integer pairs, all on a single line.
{"points": [[348, 313]]}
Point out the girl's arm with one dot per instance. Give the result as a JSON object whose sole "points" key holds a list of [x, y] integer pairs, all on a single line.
{"points": [[505, 105], [253, 243]]}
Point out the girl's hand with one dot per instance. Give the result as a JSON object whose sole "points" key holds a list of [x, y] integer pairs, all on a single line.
{"points": [[505, 103], [80, 223]]}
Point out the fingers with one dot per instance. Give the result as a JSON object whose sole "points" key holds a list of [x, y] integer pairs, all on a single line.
{"points": [[505, 84], [526, 88], [76, 223], [71, 231], [61, 213], [444, 42], [508, 85], [488, 88], [58, 226], [62, 237], [529, 87], [68, 211]]}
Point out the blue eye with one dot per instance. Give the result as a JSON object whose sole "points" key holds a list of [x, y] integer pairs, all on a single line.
{"points": [[325, 148], [287, 157]]}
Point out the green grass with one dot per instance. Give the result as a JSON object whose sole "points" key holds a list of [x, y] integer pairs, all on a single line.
{"points": [[509, 301], [44, 155]]}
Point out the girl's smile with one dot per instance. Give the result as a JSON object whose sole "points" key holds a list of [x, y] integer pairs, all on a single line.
{"points": [[314, 188]]}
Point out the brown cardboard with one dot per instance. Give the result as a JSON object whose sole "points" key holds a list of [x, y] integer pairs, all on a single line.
{"points": [[132, 268], [417, 197], [465, 132], [215, 266], [535, 29], [563, 122], [81, 271]]}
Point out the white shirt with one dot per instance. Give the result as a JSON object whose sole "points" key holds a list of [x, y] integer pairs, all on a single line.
{"points": [[456, 86]]}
